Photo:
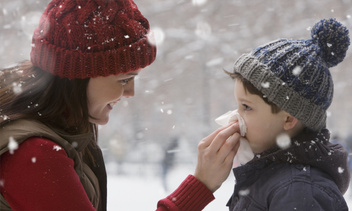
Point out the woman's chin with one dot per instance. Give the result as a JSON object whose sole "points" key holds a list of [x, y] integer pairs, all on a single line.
{"points": [[103, 121]]}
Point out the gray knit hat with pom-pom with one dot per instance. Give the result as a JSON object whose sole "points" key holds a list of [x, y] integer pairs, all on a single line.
{"points": [[294, 74]]}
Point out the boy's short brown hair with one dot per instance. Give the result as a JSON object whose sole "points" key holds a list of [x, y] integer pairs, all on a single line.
{"points": [[251, 89]]}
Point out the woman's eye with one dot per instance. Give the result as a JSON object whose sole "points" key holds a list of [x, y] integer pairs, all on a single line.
{"points": [[125, 81]]}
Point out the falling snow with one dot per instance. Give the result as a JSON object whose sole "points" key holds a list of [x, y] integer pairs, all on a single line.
{"points": [[156, 36], [297, 70], [244, 192], [265, 85], [4, 117], [283, 141], [57, 148], [203, 38], [340, 170], [17, 88], [74, 144], [199, 2], [12, 145]]}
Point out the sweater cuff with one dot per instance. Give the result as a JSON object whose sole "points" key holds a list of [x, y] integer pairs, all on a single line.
{"points": [[190, 195]]}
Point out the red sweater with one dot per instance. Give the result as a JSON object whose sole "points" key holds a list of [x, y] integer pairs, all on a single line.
{"points": [[40, 176]]}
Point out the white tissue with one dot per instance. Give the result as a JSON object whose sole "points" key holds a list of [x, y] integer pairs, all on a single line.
{"points": [[232, 116], [244, 153]]}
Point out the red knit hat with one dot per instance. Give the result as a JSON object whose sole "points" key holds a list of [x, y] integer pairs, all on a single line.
{"points": [[90, 38]]}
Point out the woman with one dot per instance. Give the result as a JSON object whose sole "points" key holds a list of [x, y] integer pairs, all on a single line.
{"points": [[85, 56]]}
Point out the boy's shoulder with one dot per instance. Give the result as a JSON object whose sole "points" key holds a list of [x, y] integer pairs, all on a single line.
{"points": [[296, 182], [279, 175]]}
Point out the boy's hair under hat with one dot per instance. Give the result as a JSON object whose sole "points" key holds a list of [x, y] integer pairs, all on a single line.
{"points": [[294, 74]]}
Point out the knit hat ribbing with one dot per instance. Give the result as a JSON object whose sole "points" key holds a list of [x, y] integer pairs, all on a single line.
{"points": [[90, 38], [294, 74]]}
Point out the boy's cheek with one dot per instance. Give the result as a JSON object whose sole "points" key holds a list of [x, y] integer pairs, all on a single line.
{"points": [[259, 144]]}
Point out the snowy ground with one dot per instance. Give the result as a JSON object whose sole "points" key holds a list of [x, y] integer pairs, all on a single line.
{"points": [[143, 190]]}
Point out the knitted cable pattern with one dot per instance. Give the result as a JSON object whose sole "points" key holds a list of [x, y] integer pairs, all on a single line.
{"points": [[81, 39]]}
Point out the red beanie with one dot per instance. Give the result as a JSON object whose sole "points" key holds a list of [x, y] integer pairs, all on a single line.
{"points": [[90, 38]]}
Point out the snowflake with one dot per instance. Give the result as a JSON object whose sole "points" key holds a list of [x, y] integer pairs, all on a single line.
{"points": [[283, 141], [17, 88], [265, 85], [340, 170], [13, 145], [297, 70], [244, 192], [57, 148]]}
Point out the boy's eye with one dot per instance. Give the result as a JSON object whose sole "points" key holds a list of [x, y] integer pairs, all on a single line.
{"points": [[246, 107]]}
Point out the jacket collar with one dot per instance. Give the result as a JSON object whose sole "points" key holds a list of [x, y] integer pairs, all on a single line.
{"points": [[308, 148], [79, 142]]}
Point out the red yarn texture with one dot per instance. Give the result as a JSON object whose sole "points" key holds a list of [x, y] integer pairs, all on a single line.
{"points": [[81, 39]]}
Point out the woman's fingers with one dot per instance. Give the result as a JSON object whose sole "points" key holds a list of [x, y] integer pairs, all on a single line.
{"points": [[209, 139], [215, 156], [231, 151], [222, 138], [229, 148]]}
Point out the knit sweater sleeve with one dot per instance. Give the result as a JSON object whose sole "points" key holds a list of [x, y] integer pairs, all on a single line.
{"points": [[40, 176], [191, 195]]}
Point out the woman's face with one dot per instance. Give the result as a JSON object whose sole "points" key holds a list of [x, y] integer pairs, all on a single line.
{"points": [[104, 92]]}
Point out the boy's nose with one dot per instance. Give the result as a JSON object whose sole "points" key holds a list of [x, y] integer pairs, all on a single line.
{"points": [[129, 89]]}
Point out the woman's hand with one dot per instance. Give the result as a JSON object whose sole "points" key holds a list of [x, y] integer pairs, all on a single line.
{"points": [[215, 156]]}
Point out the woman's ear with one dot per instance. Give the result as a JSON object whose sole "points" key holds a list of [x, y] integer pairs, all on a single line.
{"points": [[290, 122]]}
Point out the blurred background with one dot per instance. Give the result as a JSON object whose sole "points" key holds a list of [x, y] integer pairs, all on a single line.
{"points": [[150, 143]]}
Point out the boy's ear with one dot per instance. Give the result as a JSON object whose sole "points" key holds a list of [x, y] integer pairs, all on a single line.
{"points": [[290, 122]]}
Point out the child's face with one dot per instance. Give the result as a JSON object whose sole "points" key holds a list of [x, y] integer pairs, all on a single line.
{"points": [[263, 126]]}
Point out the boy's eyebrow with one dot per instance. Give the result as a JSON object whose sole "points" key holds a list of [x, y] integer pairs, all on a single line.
{"points": [[244, 100]]}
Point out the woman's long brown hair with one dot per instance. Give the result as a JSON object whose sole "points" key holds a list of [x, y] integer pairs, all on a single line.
{"points": [[28, 92]]}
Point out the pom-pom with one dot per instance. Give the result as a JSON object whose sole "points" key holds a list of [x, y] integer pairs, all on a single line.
{"points": [[333, 40]]}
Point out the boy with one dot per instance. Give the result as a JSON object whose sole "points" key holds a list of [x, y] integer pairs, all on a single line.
{"points": [[283, 90]]}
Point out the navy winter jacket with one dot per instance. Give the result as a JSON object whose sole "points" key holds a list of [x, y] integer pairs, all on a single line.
{"points": [[310, 175]]}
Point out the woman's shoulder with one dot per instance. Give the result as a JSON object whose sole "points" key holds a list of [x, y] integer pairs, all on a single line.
{"points": [[40, 144], [32, 149], [21, 130], [35, 154]]}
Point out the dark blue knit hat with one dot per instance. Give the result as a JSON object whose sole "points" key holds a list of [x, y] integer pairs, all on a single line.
{"points": [[294, 74]]}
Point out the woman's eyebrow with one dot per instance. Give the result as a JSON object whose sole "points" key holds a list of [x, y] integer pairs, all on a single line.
{"points": [[132, 73]]}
